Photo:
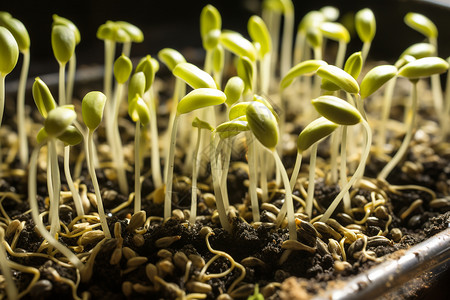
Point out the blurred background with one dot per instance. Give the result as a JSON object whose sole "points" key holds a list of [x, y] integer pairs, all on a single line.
{"points": [[169, 23]]}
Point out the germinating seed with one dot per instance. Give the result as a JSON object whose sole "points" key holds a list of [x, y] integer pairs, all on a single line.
{"points": [[243, 291], [128, 253], [296, 245], [91, 237], [374, 241], [180, 260], [127, 288], [136, 221], [165, 267], [178, 214], [136, 261], [322, 247], [198, 287], [252, 261], [12, 227], [164, 254], [381, 212], [326, 230], [116, 256], [138, 240], [151, 271], [396, 234], [165, 242], [197, 261]]}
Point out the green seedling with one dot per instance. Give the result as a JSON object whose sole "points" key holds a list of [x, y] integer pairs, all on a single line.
{"points": [[312, 19], [426, 27], [20, 33], [9, 53], [246, 71], [92, 107], [353, 64], [71, 137], [210, 30], [260, 35], [339, 78], [366, 26], [376, 78], [314, 37], [122, 71], [330, 13], [307, 67], [139, 113], [341, 112], [310, 136], [193, 76], [420, 68], [264, 127], [420, 50], [63, 44], [57, 20], [198, 98], [233, 90], [337, 32], [199, 124], [135, 35], [288, 33], [237, 44]]}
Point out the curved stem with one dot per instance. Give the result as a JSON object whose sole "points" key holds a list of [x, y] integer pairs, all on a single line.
{"points": [[311, 182], [365, 51], [410, 120], [91, 168], [217, 188], [10, 286], [296, 170], [21, 125], [343, 170], [288, 196], [62, 84], [388, 93], [224, 172], [169, 175], [358, 173], [35, 213], [75, 195], [137, 168], [2, 105]]}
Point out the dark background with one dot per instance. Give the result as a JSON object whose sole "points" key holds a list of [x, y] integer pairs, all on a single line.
{"points": [[176, 24]]}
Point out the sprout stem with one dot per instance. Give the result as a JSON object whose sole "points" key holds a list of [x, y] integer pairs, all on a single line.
{"points": [[288, 196], [137, 168], [62, 84], [75, 194], [91, 168], [196, 160], [56, 185], [2, 105], [217, 188], [226, 152], [311, 182], [252, 167], [288, 34], [409, 122], [334, 151], [296, 170], [116, 142], [156, 163], [388, 93], [340, 56], [358, 174], [21, 125], [446, 111], [365, 51], [71, 77], [126, 48], [35, 213], [169, 174], [343, 169], [10, 286], [263, 177]]}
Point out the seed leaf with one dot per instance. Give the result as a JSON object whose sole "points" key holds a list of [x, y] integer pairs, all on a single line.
{"points": [[17, 29], [63, 43], [267, 104], [170, 57], [339, 77], [58, 20], [423, 67], [92, 109], [335, 31], [314, 132], [337, 110], [71, 136], [353, 65], [365, 25], [237, 44], [43, 97], [304, 68], [233, 125], [375, 78], [42, 136], [218, 58], [245, 71], [330, 13], [263, 124], [258, 31], [238, 110], [59, 119], [210, 19], [111, 31], [201, 124], [134, 33], [233, 90], [138, 110], [420, 50], [122, 69], [312, 19], [146, 66], [136, 86], [200, 98], [314, 37], [421, 24], [194, 76], [9, 51]]}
